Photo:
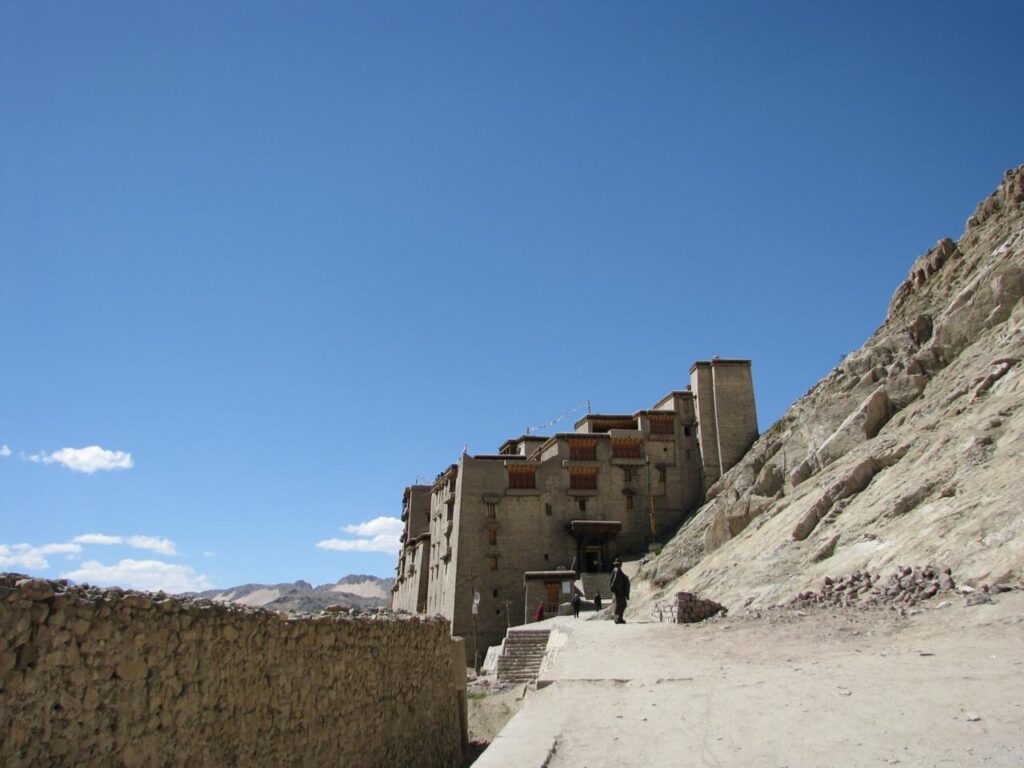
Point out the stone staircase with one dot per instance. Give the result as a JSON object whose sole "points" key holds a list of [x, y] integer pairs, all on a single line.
{"points": [[522, 655], [592, 583]]}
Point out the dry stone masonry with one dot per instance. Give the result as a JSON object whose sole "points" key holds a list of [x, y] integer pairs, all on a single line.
{"points": [[94, 677], [688, 608]]}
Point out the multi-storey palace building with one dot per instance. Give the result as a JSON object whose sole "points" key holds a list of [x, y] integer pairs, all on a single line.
{"points": [[572, 501]]}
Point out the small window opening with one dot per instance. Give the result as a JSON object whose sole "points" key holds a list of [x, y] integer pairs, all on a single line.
{"points": [[547, 510], [583, 505]]}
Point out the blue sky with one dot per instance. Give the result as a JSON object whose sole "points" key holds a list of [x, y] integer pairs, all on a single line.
{"points": [[262, 265]]}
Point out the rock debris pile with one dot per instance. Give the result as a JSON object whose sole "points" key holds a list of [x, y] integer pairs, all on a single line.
{"points": [[905, 586]]}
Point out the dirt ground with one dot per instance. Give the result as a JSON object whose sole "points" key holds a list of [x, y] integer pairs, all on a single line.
{"points": [[491, 705], [845, 687]]}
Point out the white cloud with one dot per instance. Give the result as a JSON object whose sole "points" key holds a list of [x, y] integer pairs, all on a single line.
{"points": [[33, 558], [378, 535], [97, 538], [150, 575], [156, 544], [379, 526], [208, 553], [87, 460], [153, 543], [5, 451]]}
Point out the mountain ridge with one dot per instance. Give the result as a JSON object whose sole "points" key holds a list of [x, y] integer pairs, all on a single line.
{"points": [[352, 591]]}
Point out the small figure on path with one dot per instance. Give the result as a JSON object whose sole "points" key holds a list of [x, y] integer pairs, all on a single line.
{"points": [[597, 602], [576, 604], [619, 585]]}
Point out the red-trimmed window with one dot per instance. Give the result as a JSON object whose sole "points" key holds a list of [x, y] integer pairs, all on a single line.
{"points": [[583, 478], [583, 450], [521, 478], [663, 424]]}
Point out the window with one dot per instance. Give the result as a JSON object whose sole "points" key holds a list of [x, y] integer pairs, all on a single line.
{"points": [[661, 474], [583, 478], [629, 501], [547, 510], [627, 474], [492, 510], [494, 563], [522, 477], [583, 505], [688, 431], [583, 450], [495, 593], [662, 424], [626, 448], [545, 555], [492, 536], [689, 453]]}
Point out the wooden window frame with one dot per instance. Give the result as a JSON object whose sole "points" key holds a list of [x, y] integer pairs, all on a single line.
{"points": [[522, 478], [582, 450], [583, 478], [626, 449], [662, 425]]}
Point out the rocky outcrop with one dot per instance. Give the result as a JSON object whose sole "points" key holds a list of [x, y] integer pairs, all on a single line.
{"points": [[910, 449], [94, 677]]}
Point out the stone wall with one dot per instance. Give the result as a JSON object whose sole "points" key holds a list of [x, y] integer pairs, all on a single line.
{"points": [[93, 677]]}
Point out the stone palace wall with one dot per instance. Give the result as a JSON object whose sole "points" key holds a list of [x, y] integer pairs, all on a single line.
{"points": [[104, 677]]}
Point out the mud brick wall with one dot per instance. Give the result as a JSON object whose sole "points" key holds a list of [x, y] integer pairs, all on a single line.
{"points": [[94, 677]]}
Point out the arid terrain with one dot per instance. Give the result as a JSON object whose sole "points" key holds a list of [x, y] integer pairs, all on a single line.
{"points": [[911, 451], [869, 548], [354, 591], [940, 686]]}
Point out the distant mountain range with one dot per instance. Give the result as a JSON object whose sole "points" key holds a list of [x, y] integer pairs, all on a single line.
{"points": [[355, 591]]}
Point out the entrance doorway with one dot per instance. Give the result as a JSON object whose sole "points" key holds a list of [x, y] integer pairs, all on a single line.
{"points": [[593, 562], [554, 594]]}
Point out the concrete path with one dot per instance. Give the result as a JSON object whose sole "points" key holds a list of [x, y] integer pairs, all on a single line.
{"points": [[823, 690]]}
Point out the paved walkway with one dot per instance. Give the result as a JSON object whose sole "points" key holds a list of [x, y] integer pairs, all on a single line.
{"points": [[825, 690]]}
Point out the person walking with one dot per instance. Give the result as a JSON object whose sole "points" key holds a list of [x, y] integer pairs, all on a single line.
{"points": [[539, 613], [597, 602], [619, 586], [576, 604]]}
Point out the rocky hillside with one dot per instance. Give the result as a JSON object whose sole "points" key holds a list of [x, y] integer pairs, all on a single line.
{"points": [[910, 452], [356, 591]]}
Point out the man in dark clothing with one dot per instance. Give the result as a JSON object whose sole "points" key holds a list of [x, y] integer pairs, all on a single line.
{"points": [[576, 600], [619, 586], [597, 602]]}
